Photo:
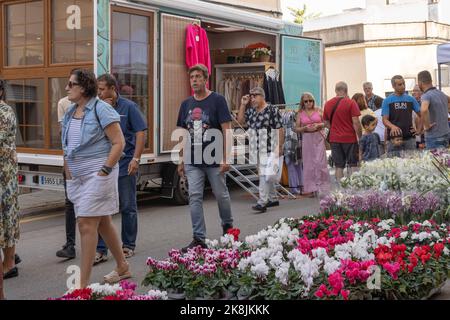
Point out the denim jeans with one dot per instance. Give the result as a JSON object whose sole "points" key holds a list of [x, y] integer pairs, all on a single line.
{"points": [[436, 143], [71, 221], [128, 210], [196, 183]]}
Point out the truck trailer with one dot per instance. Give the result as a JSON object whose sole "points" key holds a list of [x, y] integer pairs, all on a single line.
{"points": [[143, 44]]}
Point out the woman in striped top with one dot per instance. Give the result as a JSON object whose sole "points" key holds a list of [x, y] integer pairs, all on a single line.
{"points": [[93, 143]]}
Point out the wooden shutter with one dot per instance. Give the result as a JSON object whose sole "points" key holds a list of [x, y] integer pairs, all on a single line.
{"points": [[175, 81]]}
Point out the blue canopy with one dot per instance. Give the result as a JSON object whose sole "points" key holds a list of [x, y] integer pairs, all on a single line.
{"points": [[443, 53]]}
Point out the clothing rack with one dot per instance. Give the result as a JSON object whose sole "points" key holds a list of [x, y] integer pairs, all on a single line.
{"points": [[283, 106], [258, 73]]}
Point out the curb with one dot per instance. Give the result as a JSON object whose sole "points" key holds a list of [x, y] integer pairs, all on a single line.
{"points": [[41, 209]]}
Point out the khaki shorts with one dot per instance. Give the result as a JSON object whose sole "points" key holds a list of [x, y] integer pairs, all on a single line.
{"points": [[93, 195]]}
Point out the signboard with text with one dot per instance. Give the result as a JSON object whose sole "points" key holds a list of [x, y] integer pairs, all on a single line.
{"points": [[301, 68]]}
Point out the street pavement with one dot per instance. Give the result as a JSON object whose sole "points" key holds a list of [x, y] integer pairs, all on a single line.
{"points": [[162, 226]]}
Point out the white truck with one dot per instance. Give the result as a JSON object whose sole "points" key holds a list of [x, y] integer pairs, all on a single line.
{"points": [[144, 46]]}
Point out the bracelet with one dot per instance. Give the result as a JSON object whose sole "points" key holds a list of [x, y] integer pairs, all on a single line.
{"points": [[105, 169]]}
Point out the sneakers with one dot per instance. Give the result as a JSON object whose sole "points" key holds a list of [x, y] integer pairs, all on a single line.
{"points": [[260, 208], [226, 227], [100, 257], [67, 252], [17, 259], [195, 243], [273, 204]]}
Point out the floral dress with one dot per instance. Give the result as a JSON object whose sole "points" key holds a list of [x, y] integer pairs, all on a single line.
{"points": [[9, 207]]}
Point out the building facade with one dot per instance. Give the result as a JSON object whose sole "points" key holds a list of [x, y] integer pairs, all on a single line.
{"points": [[381, 40]]}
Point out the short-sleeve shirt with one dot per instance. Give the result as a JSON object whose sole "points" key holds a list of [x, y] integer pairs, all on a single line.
{"points": [[438, 112], [131, 122], [399, 110], [369, 145], [199, 117], [262, 123], [342, 130], [63, 106], [374, 101]]}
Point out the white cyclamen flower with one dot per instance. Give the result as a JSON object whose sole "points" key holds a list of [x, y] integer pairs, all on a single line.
{"points": [[261, 270], [161, 295]]}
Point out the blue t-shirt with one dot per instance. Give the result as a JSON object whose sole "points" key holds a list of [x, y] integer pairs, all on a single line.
{"points": [[198, 117], [399, 110], [131, 121], [370, 146]]}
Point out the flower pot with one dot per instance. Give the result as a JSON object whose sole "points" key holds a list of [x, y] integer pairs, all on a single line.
{"points": [[261, 59], [176, 295]]}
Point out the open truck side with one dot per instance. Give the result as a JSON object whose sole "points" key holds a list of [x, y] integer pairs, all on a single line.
{"points": [[143, 45]]}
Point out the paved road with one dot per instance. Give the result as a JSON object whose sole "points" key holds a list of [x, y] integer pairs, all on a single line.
{"points": [[161, 227]]}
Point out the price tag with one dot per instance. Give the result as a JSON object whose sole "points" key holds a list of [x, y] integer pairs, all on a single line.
{"points": [[197, 38]]}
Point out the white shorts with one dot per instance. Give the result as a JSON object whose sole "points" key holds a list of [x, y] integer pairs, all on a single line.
{"points": [[93, 195]]}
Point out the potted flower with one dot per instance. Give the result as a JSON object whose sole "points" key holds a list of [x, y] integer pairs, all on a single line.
{"points": [[262, 54]]}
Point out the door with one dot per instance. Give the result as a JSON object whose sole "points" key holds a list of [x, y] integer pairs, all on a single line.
{"points": [[301, 68], [174, 78]]}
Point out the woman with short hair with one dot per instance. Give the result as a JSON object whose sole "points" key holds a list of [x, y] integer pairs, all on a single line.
{"points": [[9, 190], [93, 143]]}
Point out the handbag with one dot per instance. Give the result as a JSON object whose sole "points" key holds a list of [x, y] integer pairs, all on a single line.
{"points": [[327, 132]]}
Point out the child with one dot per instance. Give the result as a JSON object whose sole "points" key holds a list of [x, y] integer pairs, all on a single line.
{"points": [[397, 143], [369, 144]]}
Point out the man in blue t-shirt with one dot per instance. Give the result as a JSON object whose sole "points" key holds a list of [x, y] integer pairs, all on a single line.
{"points": [[397, 112], [206, 118], [133, 126]]}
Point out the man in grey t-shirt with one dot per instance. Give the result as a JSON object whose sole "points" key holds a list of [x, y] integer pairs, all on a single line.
{"points": [[435, 107]]}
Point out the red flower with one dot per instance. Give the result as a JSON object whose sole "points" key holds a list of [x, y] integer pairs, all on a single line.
{"points": [[392, 269], [322, 291], [438, 248], [79, 294], [235, 232], [112, 298], [345, 293]]}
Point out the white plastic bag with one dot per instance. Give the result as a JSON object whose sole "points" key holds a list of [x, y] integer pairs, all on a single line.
{"points": [[273, 168]]}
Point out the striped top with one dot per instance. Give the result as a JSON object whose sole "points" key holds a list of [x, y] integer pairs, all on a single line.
{"points": [[80, 166]]}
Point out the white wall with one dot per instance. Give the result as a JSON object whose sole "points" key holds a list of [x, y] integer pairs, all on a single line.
{"points": [[383, 63], [347, 65], [234, 40], [376, 11]]}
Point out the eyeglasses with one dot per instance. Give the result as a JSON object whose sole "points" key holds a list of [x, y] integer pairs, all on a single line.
{"points": [[254, 95], [71, 84], [308, 101]]}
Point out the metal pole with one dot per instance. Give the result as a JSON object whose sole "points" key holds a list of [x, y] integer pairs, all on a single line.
{"points": [[439, 76]]}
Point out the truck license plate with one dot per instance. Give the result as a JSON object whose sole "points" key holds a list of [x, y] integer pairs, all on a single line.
{"points": [[51, 181]]}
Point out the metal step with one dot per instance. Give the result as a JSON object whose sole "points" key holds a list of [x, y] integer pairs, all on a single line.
{"points": [[245, 167], [247, 178]]}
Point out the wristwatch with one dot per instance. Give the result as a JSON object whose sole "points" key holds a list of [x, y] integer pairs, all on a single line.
{"points": [[138, 161]]}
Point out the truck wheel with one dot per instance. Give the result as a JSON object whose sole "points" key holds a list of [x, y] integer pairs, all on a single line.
{"points": [[180, 193]]}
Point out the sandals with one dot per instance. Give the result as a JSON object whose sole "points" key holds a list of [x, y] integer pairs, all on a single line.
{"points": [[114, 277], [127, 252], [99, 258]]}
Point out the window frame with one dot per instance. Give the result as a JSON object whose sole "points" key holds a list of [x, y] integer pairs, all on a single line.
{"points": [[45, 72], [151, 67]]}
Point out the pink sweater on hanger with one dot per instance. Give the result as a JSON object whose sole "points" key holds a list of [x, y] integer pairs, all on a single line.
{"points": [[197, 47]]}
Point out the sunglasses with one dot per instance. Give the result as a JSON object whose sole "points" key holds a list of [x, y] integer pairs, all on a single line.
{"points": [[71, 84], [308, 101]]}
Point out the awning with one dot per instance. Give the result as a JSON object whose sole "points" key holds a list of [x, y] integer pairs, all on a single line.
{"points": [[443, 53], [220, 12]]}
